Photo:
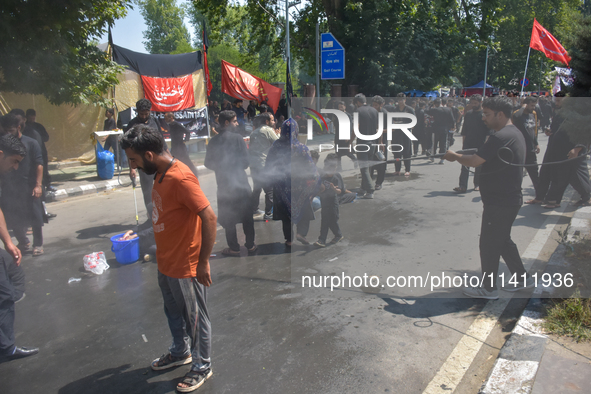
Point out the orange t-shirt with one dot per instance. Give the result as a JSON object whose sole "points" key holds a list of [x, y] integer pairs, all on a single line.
{"points": [[177, 228]]}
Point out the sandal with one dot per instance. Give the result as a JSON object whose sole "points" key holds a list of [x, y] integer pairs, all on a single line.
{"points": [[37, 250], [476, 188], [168, 361], [582, 203], [460, 190], [407, 173], [551, 206], [193, 380], [230, 252]]}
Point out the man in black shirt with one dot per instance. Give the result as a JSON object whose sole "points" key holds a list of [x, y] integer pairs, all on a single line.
{"points": [[23, 189], [12, 278], [143, 107], [111, 141], [474, 133], [560, 147], [526, 120], [443, 122], [500, 189], [378, 103], [368, 125], [178, 135], [399, 137]]}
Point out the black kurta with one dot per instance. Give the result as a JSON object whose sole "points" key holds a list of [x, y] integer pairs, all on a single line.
{"points": [[228, 157], [19, 206]]}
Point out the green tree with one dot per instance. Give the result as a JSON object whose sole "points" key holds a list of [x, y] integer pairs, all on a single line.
{"points": [[166, 33], [47, 48]]}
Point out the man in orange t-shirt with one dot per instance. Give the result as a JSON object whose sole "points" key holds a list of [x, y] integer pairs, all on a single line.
{"points": [[184, 228]]}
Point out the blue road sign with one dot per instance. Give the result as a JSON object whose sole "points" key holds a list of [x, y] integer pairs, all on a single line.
{"points": [[523, 82], [332, 61]]}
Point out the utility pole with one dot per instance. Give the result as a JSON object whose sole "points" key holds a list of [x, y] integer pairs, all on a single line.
{"points": [[318, 66], [287, 99], [485, 72]]}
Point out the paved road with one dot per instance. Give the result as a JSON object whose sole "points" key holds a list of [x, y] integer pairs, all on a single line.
{"points": [[271, 335]]}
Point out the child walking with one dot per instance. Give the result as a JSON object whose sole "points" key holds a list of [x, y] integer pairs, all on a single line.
{"points": [[329, 200]]}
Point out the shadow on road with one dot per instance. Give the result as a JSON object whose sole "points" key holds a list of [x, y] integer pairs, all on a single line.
{"points": [[120, 379]]}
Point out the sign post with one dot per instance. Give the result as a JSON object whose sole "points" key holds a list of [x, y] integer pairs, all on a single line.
{"points": [[332, 58]]}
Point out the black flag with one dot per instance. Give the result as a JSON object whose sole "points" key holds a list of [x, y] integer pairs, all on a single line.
{"points": [[288, 86]]}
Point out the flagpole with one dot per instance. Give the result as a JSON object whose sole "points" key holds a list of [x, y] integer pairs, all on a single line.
{"points": [[525, 72], [287, 99]]}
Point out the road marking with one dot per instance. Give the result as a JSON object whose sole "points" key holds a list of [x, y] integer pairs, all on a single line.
{"points": [[454, 368]]}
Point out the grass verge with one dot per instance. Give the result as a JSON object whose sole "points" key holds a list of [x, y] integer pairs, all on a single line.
{"points": [[570, 317]]}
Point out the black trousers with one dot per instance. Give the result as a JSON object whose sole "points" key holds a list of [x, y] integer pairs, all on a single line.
{"points": [[12, 286], [302, 228], [441, 140], [545, 177], [531, 158], [380, 169], [20, 233], [574, 173], [465, 174], [247, 227], [495, 241], [259, 184], [329, 217]]}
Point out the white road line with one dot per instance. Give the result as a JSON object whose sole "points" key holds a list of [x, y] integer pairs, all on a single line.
{"points": [[454, 368], [517, 376]]}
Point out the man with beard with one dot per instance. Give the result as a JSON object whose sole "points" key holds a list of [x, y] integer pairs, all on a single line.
{"points": [[500, 189], [23, 189], [227, 156], [184, 229], [526, 120], [12, 279], [144, 117], [178, 135]]}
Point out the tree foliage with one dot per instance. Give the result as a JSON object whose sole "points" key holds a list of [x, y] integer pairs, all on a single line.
{"points": [[397, 45], [47, 48], [166, 33]]}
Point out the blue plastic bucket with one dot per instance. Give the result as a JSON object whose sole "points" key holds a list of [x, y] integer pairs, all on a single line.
{"points": [[126, 252]]}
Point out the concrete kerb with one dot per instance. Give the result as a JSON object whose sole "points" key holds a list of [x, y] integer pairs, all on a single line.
{"points": [[516, 366], [91, 188]]}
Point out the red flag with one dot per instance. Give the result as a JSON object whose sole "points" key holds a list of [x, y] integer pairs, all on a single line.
{"points": [[205, 66], [169, 94], [240, 84], [543, 41]]}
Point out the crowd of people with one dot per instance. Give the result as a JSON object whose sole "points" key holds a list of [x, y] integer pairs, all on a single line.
{"points": [[181, 225]]}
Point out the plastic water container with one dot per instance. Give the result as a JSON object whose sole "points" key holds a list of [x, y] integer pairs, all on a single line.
{"points": [[126, 252]]}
